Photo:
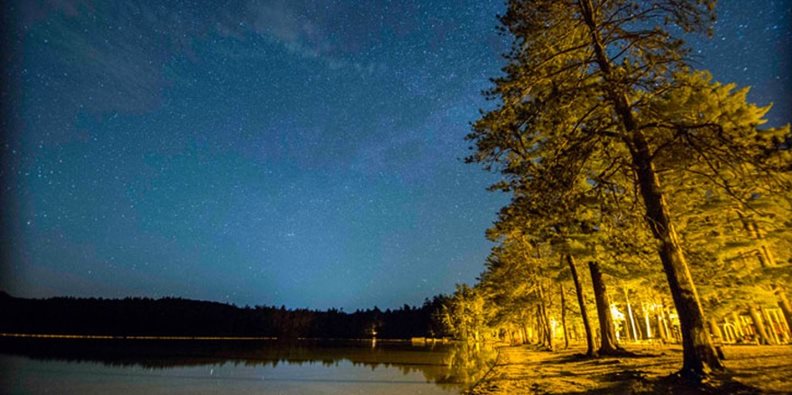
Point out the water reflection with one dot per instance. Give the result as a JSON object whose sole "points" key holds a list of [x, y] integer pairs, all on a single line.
{"points": [[451, 367], [468, 362]]}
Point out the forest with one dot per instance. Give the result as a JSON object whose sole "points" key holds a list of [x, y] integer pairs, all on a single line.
{"points": [[184, 317], [650, 203]]}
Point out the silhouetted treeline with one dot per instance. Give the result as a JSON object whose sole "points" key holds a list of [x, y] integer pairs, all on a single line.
{"points": [[184, 317]]}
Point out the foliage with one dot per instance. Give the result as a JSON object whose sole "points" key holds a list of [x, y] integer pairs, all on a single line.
{"points": [[184, 317], [608, 141]]}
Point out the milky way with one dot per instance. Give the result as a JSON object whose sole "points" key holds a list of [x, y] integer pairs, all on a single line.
{"points": [[293, 152]]}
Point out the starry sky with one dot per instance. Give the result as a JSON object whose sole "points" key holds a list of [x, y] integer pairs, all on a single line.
{"points": [[305, 153]]}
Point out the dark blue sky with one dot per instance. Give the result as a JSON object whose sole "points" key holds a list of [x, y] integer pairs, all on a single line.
{"points": [[283, 152]]}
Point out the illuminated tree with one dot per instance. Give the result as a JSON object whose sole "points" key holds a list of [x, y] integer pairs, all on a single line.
{"points": [[465, 316], [516, 280], [601, 89], [566, 228], [733, 247]]}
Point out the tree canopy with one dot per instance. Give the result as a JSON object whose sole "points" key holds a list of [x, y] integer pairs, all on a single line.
{"points": [[600, 122]]}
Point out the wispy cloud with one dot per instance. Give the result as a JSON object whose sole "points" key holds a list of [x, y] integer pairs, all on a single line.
{"points": [[115, 56], [312, 30]]}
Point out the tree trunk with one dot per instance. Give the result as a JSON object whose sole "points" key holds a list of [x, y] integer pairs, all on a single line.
{"points": [[715, 329], [545, 319], [738, 325], [771, 323], [786, 308], [763, 254], [647, 321], [699, 356], [759, 325], [563, 315], [632, 329], [608, 343], [639, 329], [766, 259], [582, 305], [542, 328], [662, 328]]}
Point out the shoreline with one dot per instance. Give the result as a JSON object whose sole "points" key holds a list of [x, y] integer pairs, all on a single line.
{"points": [[50, 336]]}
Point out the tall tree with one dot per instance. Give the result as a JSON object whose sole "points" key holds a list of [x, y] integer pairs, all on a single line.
{"points": [[592, 89], [564, 230]]}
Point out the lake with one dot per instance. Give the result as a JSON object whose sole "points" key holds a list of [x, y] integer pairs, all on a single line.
{"points": [[78, 366]]}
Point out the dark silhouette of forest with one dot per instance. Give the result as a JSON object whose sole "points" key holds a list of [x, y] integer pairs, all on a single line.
{"points": [[185, 317]]}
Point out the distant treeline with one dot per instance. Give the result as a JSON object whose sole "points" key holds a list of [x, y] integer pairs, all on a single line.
{"points": [[185, 317]]}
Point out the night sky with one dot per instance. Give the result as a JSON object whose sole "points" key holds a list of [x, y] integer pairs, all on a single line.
{"points": [[289, 152]]}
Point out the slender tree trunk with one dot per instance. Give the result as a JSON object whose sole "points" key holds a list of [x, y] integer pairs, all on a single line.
{"points": [[542, 327], [608, 343], [699, 356], [759, 325], [563, 315], [763, 254], [766, 259], [633, 330], [738, 324], [545, 319], [639, 329], [648, 322], [582, 305], [771, 324], [662, 328], [534, 329]]}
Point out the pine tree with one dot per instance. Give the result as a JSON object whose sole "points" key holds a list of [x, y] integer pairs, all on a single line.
{"points": [[566, 230], [516, 280], [593, 89]]}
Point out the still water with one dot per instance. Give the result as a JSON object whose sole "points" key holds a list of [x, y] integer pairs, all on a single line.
{"points": [[117, 367]]}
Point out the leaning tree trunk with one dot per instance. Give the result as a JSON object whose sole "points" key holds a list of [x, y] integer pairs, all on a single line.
{"points": [[608, 343], [699, 356], [761, 330], [786, 308], [715, 329], [582, 304]]}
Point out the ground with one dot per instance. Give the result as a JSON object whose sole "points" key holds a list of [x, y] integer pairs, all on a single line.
{"points": [[526, 370]]}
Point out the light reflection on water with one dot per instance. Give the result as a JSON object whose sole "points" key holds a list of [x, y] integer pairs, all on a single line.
{"points": [[123, 367]]}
